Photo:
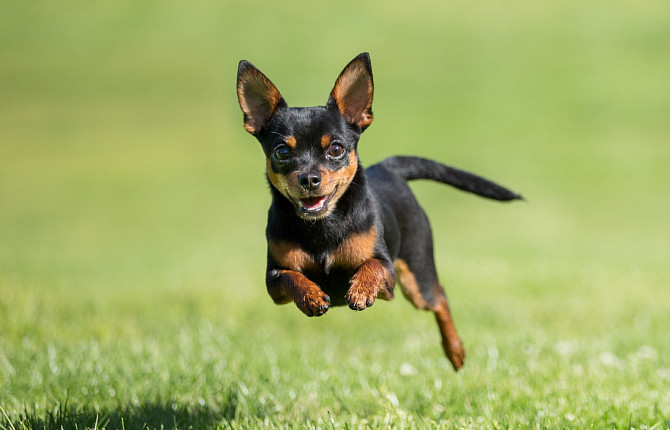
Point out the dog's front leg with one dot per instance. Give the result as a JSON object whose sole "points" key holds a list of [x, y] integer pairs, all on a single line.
{"points": [[375, 277], [286, 285]]}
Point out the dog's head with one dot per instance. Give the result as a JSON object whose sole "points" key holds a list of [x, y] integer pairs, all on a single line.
{"points": [[311, 152]]}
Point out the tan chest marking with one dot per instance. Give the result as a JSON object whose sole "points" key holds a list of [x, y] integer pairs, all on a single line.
{"points": [[352, 253], [291, 256], [355, 250]]}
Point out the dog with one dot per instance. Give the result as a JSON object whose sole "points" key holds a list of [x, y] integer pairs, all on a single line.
{"points": [[338, 233]]}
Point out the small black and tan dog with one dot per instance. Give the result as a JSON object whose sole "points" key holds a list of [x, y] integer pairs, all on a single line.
{"points": [[338, 233]]}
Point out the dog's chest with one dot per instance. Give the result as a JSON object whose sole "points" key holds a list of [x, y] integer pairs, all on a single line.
{"points": [[350, 254]]}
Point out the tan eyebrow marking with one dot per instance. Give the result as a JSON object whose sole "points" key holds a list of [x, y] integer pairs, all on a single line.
{"points": [[325, 141], [291, 142]]}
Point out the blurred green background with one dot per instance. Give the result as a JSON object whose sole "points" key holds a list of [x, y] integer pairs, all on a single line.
{"points": [[133, 205]]}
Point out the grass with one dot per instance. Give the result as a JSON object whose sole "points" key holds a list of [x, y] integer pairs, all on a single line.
{"points": [[132, 209]]}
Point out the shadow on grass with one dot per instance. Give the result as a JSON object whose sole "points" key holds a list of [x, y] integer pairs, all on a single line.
{"points": [[146, 416]]}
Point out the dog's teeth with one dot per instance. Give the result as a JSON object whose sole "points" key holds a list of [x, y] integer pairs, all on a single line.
{"points": [[313, 203]]}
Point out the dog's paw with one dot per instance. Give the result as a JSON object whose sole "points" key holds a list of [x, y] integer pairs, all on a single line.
{"points": [[455, 352], [313, 303], [366, 284], [361, 296], [363, 289]]}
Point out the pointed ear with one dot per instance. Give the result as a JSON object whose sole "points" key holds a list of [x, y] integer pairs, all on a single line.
{"points": [[259, 98], [353, 92]]}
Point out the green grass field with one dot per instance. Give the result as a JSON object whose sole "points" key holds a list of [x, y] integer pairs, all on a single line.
{"points": [[133, 205]]}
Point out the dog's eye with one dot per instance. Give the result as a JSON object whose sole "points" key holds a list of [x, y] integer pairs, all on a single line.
{"points": [[336, 150], [282, 153]]}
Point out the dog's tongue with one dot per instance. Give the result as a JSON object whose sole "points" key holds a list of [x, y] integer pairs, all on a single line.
{"points": [[313, 203]]}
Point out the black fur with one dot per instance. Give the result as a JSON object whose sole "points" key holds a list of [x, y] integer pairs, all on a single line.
{"points": [[336, 229], [420, 168]]}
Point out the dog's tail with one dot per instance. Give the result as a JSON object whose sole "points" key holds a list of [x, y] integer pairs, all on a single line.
{"points": [[422, 168]]}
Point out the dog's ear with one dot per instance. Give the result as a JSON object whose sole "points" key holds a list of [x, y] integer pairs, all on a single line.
{"points": [[353, 90], [259, 98]]}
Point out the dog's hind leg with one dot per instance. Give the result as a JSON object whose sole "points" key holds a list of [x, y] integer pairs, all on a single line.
{"points": [[451, 342], [416, 274]]}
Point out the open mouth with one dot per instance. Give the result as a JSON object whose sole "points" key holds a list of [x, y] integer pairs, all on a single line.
{"points": [[311, 207]]}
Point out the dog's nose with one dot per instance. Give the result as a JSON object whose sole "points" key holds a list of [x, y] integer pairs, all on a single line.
{"points": [[309, 181]]}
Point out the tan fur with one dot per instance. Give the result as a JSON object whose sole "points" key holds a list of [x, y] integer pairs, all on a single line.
{"points": [[355, 250], [340, 179], [451, 342], [306, 294], [371, 280], [344, 86], [365, 285], [280, 182], [255, 82], [408, 284], [325, 141], [291, 256], [331, 181]]}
